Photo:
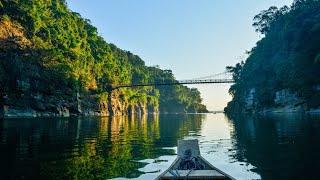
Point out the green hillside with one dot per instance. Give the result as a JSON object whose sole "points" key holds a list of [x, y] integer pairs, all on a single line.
{"points": [[49, 54], [286, 58]]}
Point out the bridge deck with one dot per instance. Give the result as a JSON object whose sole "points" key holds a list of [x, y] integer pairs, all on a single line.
{"points": [[207, 81]]}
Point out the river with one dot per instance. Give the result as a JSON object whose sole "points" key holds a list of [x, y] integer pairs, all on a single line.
{"points": [[283, 146]]}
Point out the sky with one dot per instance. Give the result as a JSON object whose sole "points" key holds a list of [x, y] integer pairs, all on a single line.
{"points": [[193, 38]]}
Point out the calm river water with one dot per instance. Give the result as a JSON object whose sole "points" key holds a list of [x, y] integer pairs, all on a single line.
{"points": [[271, 147]]}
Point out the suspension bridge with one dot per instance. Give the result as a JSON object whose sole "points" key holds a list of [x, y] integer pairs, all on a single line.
{"points": [[220, 78]]}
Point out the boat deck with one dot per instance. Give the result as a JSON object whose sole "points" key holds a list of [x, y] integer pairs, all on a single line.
{"points": [[195, 174], [207, 171]]}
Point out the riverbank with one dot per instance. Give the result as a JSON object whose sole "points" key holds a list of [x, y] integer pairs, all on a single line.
{"points": [[290, 110], [276, 110], [14, 112]]}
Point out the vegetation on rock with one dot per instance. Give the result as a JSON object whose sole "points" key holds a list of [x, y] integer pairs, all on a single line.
{"points": [[287, 57], [49, 54]]}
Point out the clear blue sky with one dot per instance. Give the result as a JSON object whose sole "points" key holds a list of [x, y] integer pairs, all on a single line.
{"points": [[194, 38]]}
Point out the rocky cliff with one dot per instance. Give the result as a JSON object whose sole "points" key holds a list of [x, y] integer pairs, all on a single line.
{"points": [[288, 101], [82, 104], [284, 101]]}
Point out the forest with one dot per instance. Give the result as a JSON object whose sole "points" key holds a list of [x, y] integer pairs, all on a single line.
{"points": [[53, 60], [286, 58]]}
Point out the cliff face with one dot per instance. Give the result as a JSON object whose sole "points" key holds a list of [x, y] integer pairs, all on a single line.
{"points": [[284, 101], [282, 72], [86, 105]]}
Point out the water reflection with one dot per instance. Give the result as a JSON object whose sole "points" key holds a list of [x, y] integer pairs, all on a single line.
{"points": [[87, 148], [247, 147], [280, 146]]}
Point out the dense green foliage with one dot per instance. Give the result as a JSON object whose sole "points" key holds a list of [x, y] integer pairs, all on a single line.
{"points": [[287, 57], [48, 49]]}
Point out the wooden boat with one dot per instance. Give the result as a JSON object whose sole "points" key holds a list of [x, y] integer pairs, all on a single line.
{"points": [[207, 171]]}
